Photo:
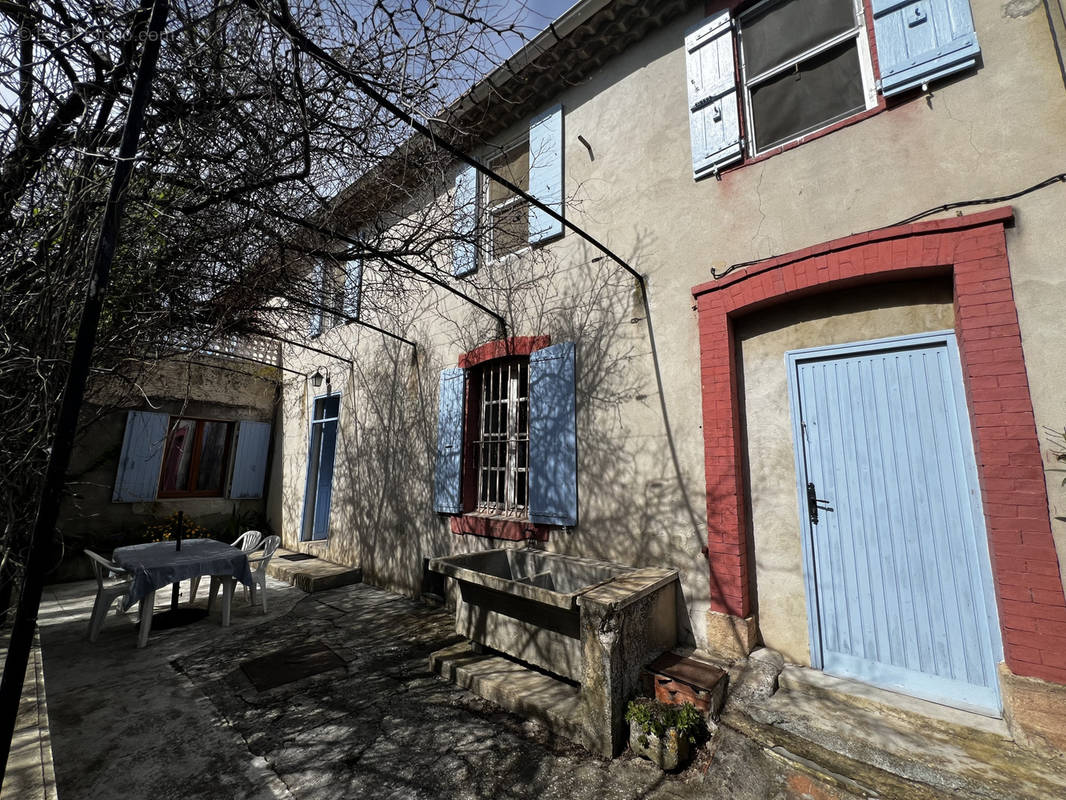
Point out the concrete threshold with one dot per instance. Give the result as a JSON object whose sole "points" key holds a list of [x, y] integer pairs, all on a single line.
{"points": [[513, 686], [311, 574], [894, 745]]}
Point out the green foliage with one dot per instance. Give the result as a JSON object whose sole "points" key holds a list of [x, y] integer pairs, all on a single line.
{"points": [[656, 718], [167, 529]]}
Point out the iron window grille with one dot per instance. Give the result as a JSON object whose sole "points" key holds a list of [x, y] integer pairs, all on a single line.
{"points": [[502, 446]]}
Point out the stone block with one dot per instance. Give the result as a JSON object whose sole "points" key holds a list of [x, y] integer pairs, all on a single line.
{"points": [[669, 752], [729, 636], [1034, 710]]}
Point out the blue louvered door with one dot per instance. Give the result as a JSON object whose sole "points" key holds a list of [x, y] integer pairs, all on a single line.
{"points": [[897, 567]]}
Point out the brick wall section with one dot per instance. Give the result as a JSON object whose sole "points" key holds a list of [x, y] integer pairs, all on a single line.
{"points": [[973, 250]]}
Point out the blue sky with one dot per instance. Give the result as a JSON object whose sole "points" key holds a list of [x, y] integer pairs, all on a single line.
{"points": [[538, 13]]}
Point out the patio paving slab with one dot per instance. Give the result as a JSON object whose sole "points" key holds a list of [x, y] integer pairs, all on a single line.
{"points": [[181, 719]]}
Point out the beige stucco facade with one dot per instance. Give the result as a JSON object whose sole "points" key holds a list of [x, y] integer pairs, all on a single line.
{"points": [[984, 133]]}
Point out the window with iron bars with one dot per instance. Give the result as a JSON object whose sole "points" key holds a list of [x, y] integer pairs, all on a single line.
{"points": [[503, 441]]}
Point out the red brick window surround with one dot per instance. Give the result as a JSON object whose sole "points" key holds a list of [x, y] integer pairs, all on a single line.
{"points": [[971, 249], [470, 521]]}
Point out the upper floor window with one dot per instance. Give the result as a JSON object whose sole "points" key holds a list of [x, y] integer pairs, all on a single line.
{"points": [[804, 65], [780, 70], [335, 292], [506, 213], [490, 220]]}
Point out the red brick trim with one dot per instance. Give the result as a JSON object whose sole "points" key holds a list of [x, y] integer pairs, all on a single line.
{"points": [[973, 250], [513, 530], [501, 348], [471, 523]]}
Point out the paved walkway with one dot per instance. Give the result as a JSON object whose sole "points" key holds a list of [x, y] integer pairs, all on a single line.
{"points": [[180, 718]]}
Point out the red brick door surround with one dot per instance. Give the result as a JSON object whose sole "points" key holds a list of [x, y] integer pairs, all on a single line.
{"points": [[971, 249]]}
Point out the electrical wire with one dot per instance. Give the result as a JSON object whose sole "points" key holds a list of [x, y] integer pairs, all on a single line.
{"points": [[984, 201]]}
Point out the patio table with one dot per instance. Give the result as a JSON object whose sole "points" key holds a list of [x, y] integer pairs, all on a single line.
{"points": [[157, 564]]}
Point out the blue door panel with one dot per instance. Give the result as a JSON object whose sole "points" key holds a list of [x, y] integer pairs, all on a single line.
{"points": [[324, 493], [899, 583], [321, 453]]}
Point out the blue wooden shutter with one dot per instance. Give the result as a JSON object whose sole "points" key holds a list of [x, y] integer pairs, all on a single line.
{"points": [[546, 173], [920, 42], [552, 436], [250, 460], [143, 443], [447, 484], [353, 284], [712, 95], [464, 222], [317, 278]]}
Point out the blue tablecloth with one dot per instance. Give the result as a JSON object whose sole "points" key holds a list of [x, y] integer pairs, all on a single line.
{"points": [[158, 564]]}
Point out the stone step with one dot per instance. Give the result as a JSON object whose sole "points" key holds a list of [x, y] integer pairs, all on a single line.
{"points": [[311, 574], [830, 766], [894, 745], [513, 686]]}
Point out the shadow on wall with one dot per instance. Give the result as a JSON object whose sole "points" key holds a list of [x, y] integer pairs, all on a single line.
{"points": [[640, 504]]}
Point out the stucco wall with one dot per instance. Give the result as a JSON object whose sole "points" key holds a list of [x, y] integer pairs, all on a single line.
{"points": [[762, 341], [641, 479]]}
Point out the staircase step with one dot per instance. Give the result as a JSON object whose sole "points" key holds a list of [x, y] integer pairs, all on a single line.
{"points": [[311, 574]]}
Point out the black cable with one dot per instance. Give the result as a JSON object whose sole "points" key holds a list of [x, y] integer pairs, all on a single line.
{"points": [[285, 24], [985, 201], [1060, 178]]}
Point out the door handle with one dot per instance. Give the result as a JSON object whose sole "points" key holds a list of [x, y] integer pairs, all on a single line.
{"points": [[812, 503]]}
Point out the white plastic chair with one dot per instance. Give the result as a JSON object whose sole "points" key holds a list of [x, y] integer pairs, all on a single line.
{"points": [[247, 541], [258, 562], [107, 589]]}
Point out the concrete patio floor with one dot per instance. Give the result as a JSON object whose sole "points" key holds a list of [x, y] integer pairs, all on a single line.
{"points": [[181, 719]]}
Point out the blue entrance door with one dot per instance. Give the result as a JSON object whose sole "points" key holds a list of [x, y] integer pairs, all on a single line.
{"points": [[320, 456], [897, 569]]}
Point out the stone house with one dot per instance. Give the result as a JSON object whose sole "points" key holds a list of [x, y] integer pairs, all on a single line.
{"points": [[824, 405]]}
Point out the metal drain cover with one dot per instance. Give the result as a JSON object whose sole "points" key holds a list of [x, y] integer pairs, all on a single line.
{"points": [[290, 664]]}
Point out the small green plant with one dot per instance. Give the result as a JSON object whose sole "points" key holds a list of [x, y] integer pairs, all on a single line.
{"points": [[655, 718], [165, 530]]}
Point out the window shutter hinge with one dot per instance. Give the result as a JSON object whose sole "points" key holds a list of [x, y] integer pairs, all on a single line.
{"points": [[703, 103]]}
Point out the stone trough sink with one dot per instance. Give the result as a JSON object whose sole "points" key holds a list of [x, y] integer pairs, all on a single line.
{"points": [[594, 623]]}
